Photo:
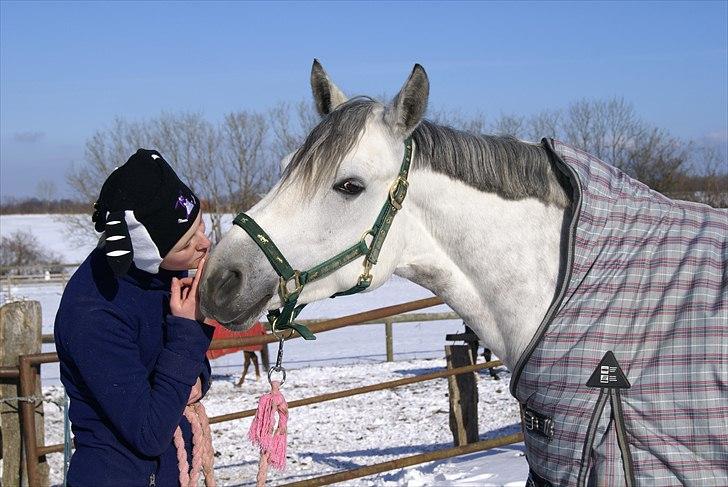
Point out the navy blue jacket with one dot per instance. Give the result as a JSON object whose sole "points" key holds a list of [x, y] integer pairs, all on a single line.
{"points": [[128, 367]]}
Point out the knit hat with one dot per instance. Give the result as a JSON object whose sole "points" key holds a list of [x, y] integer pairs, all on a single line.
{"points": [[144, 209]]}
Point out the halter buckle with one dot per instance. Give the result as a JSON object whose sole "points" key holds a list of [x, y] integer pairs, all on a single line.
{"points": [[283, 291], [394, 199]]}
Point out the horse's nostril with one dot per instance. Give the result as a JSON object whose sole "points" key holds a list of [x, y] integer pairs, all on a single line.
{"points": [[230, 278], [228, 282]]}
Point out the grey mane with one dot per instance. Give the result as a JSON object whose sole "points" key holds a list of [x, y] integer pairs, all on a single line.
{"points": [[498, 164]]}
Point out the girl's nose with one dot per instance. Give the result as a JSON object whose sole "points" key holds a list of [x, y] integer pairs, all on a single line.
{"points": [[204, 243]]}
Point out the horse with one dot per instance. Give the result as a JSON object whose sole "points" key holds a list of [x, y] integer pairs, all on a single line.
{"points": [[606, 300]]}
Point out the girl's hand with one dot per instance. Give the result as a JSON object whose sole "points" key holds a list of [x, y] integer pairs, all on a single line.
{"points": [[184, 300]]}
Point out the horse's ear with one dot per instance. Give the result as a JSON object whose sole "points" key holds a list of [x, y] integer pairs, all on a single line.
{"points": [[327, 95], [410, 104]]}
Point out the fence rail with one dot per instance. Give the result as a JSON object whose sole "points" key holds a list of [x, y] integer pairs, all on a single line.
{"points": [[21, 269], [409, 461], [365, 389]]}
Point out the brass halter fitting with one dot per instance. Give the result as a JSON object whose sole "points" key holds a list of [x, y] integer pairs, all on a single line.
{"points": [[283, 291], [397, 203], [366, 275]]}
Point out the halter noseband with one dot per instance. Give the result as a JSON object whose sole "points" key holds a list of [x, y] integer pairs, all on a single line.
{"points": [[291, 282]]}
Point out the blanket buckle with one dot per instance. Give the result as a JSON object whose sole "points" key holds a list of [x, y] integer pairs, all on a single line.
{"points": [[538, 423]]}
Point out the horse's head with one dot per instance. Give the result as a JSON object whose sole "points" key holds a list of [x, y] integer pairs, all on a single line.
{"points": [[331, 193]]}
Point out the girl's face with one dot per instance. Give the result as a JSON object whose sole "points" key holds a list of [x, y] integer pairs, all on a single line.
{"points": [[189, 250]]}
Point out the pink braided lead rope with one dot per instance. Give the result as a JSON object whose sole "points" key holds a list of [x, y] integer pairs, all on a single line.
{"points": [[264, 432], [203, 455]]}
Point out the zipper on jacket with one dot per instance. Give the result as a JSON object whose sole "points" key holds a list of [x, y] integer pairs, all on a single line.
{"points": [[152, 480]]}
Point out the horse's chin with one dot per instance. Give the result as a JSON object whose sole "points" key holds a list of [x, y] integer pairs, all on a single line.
{"points": [[241, 325], [248, 318]]}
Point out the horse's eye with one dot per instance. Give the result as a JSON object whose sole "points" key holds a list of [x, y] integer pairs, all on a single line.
{"points": [[349, 186]]}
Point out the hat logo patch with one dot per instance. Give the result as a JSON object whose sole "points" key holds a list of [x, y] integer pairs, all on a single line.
{"points": [[187, 205]]}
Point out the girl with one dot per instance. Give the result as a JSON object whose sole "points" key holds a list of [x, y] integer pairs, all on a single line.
{"points": [[129, 332]]}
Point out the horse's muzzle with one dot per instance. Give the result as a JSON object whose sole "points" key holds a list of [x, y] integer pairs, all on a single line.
{"points": [[223, 297]]}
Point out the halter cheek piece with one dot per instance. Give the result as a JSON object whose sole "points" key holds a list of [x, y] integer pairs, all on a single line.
{"points": [[292, 281]]}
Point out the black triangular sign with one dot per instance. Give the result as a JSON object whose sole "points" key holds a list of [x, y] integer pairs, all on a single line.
{"points": [[608, 374]]}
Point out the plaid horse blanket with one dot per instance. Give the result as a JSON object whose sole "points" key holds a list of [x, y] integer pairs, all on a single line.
{"points": [[626, 380]]}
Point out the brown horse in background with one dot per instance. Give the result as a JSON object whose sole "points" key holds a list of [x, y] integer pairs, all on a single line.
{"points": [[249, 355]]}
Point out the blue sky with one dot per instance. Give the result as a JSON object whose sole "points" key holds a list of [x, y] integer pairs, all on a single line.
{"points": [[68, 69]]}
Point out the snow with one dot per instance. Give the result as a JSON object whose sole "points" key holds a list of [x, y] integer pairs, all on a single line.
{"points": [[336, 435], [50, 232], [356, 431]]}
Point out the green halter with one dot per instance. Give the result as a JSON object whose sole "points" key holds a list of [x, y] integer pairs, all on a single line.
{"points": [[292, 281]]}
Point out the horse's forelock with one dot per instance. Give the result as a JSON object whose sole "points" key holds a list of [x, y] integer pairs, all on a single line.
{"points": [[325, 147]]}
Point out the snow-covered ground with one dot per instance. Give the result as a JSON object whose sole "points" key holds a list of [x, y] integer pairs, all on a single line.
{"points": [[356, 431], [337, 435]]}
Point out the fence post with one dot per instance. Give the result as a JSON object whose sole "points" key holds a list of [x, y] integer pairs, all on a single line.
{"points": [[389, 339], [20, 334], [463, 393]]}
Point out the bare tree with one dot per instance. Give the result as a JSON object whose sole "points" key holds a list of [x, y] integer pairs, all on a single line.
{"points": [[46, 191], [509, 124], [22, 249], [475, 124], [192, 145], [715, 176], [105, 150], [609, 129], [658, 160], [707, 181], [228, 165], [290, 124], [544, 124]]}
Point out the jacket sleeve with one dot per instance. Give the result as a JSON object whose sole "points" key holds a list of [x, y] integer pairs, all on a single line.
{"points": [[143, 413], [206, 377]]}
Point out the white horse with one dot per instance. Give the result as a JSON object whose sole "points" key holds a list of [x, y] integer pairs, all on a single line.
{"points": [[485, 225], [497, 267]]}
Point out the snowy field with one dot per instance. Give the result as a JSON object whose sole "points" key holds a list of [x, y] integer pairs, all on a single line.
{"points": [[366, 429]]}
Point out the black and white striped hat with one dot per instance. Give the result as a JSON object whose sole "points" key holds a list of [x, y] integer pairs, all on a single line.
{"points": [[144, 209]]}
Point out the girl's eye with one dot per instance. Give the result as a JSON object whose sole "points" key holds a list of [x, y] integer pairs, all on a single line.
{"points": [[349, 186]]}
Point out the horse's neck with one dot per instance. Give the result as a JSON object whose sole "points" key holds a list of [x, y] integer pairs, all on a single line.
{"points": [[495, 262]]}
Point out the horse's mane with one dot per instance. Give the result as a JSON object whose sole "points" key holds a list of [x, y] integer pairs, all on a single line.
{"points": [[511, 168], [504, 165]]}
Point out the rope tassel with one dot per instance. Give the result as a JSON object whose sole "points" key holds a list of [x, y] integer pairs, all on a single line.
{"points": [[269, 436]]}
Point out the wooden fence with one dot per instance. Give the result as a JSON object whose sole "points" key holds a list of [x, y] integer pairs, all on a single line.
{"points": [[27, 376]]}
